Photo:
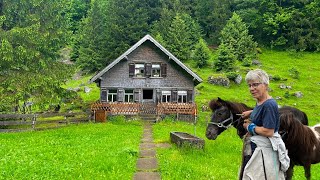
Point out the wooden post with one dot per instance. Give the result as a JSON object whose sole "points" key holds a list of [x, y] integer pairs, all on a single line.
{"points": [[34, 119], [66, 119]]}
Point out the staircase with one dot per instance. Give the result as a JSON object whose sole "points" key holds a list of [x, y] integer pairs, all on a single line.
{"points": [[148, 112]]}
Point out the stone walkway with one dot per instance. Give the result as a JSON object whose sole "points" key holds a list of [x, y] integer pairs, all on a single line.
{"points": [[147, 164]]}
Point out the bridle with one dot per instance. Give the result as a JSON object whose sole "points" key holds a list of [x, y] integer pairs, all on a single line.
{"points": [[221, 124]]}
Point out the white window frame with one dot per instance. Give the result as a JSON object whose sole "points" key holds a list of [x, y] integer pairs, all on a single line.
{"points": [[156, 70], [139, 69], [128, 95], [112, 95], [182, 96], [165, 96]]}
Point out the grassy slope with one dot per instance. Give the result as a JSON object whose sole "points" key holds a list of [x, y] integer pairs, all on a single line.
{"points": [[221, 157], [275, 64]]}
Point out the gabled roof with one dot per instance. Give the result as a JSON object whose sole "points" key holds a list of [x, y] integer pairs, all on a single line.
{"points": [[144, 39]]}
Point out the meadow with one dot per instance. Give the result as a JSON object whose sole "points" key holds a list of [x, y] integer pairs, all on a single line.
{"points": [[110, 150], [85, 151]]}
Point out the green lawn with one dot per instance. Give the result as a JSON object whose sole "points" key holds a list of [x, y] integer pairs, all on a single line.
{"points": [[86, 151], [220, 158]]}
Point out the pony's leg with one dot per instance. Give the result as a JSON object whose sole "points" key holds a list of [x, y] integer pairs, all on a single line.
{"points": [[289, 172], [307, 173]]}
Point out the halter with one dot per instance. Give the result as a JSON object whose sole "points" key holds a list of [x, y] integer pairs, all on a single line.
{"points": [[221, 124]]}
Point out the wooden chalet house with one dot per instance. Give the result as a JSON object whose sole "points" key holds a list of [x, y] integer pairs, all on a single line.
{"points": [[146, 80]]}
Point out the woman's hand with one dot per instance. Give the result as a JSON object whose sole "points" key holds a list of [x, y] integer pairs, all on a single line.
{"points": [[246, 114]]}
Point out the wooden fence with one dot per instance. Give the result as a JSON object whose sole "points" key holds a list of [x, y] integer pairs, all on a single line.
{"points": [[101, 110], [27, 122]]}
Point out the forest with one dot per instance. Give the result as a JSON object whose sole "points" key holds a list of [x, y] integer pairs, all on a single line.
{"points": [[35, 36]]}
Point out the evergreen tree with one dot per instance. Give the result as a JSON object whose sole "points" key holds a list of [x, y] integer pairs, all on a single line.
{"points": [[226, 58], [31, 34], [212, 15], [236, 35], [201, 53], [127, 22], [181, 36], [92, 39]]}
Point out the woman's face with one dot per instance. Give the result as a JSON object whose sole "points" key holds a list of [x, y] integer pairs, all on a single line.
{"points": [[257, 89]]}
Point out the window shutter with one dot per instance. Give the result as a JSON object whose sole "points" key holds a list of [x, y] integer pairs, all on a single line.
{"points": [[189, 95], [148, 68], [103, 95], [174, 96], [131, 69], [120, 95], [137, 95], [163, 70]]}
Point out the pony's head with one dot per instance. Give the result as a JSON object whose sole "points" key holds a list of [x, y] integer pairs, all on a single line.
{"points": [[224, 115]]}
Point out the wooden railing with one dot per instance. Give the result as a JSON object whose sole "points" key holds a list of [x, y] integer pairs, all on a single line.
{"points": [[25, 122], [136, 108], [177, 108], [117, 108]]}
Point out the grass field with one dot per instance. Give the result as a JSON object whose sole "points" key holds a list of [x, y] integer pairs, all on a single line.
{"points": [[109, 150], [86, 151], [220, 158]]}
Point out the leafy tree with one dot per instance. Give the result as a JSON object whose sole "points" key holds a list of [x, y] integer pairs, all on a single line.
{"points": [[303, 28], [31, 34], [201, 53], [236, 35]]}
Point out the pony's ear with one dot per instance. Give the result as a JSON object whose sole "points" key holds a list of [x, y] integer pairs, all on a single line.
{"points": [[222, 101]]}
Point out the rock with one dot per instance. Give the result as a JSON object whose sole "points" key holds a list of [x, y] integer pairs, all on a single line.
{"points": [[87, 89], [219, 80], [238, 79], [298, 94]]}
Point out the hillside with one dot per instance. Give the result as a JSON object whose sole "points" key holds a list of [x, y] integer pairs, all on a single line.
{"points": [[284, 65], [297, 70]]}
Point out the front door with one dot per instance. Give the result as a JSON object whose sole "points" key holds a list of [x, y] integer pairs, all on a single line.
{"points": [[147, 95], [148, 105]]}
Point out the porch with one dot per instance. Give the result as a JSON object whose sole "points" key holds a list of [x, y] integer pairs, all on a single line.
{"points": [[182, 111]]}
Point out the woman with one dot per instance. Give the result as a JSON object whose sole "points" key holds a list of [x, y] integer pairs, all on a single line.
{"points": [[266, 154]]}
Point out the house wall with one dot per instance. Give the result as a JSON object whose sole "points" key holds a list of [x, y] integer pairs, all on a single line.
{"points": [[118, 76]]}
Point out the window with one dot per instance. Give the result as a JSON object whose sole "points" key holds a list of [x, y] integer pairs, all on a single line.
{"points": [[112, 95], [166, 96], [155, 72], [139, 70], [182, 96], [128, 96]]}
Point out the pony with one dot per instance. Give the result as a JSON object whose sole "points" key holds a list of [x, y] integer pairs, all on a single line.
{"points": [[303, 143], [226, 114]]}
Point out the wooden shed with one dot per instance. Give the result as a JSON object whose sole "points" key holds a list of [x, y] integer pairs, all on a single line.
{"points": [[146, 80]]}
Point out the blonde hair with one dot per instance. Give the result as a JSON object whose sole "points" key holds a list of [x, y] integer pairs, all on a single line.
{"points": [[259, 75]]}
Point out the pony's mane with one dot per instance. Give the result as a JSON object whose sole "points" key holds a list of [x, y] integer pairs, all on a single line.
{"points": [[300, 136], [233, 106]]}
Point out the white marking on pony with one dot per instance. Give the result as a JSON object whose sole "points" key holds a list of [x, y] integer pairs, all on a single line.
{"points": [[316, 131]]}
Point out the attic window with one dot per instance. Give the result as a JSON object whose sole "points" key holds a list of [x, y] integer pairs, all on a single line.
{"points": [[155, 70], [139, 70]]}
